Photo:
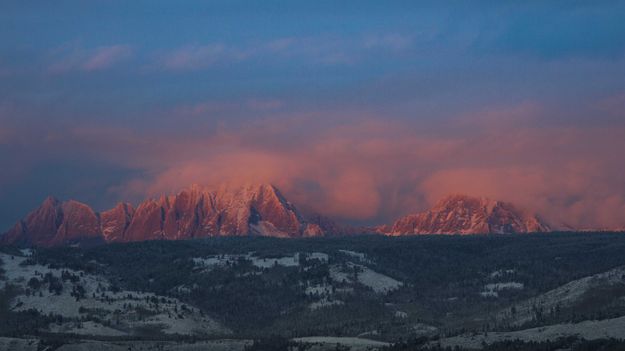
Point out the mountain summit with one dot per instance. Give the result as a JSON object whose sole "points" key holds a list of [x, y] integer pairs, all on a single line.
{"points": [[195, 212], [461, 214], [249, 210]]}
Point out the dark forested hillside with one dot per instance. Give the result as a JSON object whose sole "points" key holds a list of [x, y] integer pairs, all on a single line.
{"points": [[382, 288]]}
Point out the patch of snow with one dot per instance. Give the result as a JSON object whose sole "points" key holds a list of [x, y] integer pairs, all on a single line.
{"points": [[501, 272], [424, 329], [287, 261], [368, 333], [119, 308], [323, 257], [504, 286], [85, 328], [563, 296], [10, 344], [347, 341], [380, 283], [358, 255], [324, 303], [491, 290], [265, 228], [489, 294], [589, 330], [401, 314]]}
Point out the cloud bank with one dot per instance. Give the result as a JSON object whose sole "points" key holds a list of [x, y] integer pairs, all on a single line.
{"points": [[373, 170]]}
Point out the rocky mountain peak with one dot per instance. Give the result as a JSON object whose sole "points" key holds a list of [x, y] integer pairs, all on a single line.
{"points": [[247, 210], [196, 211], [462, 214]]}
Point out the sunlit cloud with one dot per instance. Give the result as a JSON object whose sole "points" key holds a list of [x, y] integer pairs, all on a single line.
{"points": [[73, 58], [363, 167], [389, 41], [373, 171], [360, 114], [194, 57], [105, 57], [324, 50]]}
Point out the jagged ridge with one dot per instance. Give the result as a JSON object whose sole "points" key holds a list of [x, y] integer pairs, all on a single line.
{"points": [[250, 210], [192, 213], [460, 214]]}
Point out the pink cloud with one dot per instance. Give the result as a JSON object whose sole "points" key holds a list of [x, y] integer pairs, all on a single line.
{"points": [[73, 58], [377, 170], [193, 57], [326, 50], [372, 169], [106, 56]]}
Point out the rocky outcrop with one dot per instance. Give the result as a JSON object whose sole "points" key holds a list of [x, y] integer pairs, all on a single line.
{"points": [[115, 222]]}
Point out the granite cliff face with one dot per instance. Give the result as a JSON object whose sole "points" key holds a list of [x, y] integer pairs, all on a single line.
{"points": [[115, 222], [459, 214], [194, 212]]}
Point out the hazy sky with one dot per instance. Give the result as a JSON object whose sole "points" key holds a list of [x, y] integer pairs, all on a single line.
{"points": [[361, 110]]}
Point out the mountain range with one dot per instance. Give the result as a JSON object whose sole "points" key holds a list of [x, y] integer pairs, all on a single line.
{"points": [[249, 210]]}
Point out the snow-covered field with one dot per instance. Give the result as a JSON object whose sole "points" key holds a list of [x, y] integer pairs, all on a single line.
{"points": [[589, 330], [564, 295], [285, 261], [325, 302], [380, 283], [123, 311], [85, 328], [357, 255], [493, 289], [324, 293], [354, 343], [14, 344], [422, 329], [316, 343]]}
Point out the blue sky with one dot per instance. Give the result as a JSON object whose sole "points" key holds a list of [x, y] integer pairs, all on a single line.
{"points": [[88, 89]]}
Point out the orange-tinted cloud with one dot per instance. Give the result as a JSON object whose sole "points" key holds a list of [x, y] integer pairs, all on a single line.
{"points": [[373, 170]]}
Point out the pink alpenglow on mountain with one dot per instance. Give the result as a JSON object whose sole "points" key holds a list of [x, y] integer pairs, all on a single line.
{"points": [[114, 222], [250, 210], [56, 223], [459, 214]]}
